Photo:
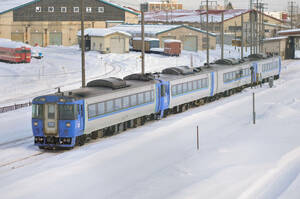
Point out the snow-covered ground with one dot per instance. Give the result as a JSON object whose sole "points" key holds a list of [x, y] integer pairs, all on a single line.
{"points": [[61, 67], [159, 160]]}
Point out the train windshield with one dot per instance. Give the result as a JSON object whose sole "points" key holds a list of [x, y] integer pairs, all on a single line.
{"points": [[67, 112], [37, 111]]}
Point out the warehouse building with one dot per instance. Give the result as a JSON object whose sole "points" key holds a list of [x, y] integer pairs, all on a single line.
{"points": [[106, 40], [193, 39], [56, 22]]}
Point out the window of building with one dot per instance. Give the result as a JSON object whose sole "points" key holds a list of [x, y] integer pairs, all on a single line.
{"points": [[38, 9], [51, 9], [88, 9], [101, 9], [76, 9], [63, 9]]}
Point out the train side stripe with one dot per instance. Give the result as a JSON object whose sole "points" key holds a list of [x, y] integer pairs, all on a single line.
{"points": [[212, 83]]}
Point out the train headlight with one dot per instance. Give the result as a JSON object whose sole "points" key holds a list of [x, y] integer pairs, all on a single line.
{"points": [[62, 100], [68, 124], [35, 123], [43, 99]]}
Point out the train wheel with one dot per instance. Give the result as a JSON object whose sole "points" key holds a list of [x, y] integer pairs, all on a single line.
{"points": [[94, 135], [81, 140]]}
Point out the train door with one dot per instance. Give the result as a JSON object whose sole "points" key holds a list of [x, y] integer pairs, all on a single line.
{"points": [[164, 99], [80, 118], [51, 119]]}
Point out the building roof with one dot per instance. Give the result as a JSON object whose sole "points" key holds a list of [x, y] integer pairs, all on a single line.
{"points": [[275, 38], [101, 32], [195, 16], [152, 30], [289, 32], [10, 5]]}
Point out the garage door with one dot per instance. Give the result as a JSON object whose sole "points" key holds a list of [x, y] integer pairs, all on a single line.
{"points": [[17, 36], [36, 38], [190, 43], [165, 38], [117, 45], [55, 38]]}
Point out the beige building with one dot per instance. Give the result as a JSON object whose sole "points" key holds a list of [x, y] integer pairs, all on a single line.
{"points": [[107, 41], [275, 46], [57, 22], [193, 39]]}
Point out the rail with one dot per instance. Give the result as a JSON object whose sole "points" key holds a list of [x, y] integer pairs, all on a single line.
{"points": [[14, 107]]}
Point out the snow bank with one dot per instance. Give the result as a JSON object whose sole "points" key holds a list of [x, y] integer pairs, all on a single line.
{"points": [[7, 43]]}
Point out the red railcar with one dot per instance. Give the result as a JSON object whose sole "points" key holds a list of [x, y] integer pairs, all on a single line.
{"points": [[14, 52], [172, 47]]}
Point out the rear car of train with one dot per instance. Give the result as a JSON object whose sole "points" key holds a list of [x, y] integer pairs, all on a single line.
{"points": [[57, 121]]}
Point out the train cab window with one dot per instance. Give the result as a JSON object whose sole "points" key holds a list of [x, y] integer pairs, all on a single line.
{"points": [[179, 89], [51, 111], [190, 86], [125, 102], [118, 104], [147, 97], [184, 87], [101, 108], [133, 100], [141, 98], [109, 106], [70, 112], [163, 90], [37, 111]]}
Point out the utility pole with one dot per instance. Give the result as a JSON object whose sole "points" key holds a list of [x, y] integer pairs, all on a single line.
{"points": [[242, 36], [82, 45], [143, 9], [222, 36], [251, 27], [291, 7], [207, 36]]}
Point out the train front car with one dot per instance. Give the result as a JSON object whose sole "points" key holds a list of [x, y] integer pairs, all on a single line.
{"points": [[57, 121]]}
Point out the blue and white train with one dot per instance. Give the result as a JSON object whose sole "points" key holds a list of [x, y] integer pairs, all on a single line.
{"points": [[109, 106]]}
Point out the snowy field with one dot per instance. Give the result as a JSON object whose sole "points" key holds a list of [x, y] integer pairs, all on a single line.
{"points": [[159, 160], [61, 67]]}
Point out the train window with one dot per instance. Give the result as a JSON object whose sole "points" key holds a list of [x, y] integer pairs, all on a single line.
{"points": [[70, 112], [195, 85], [199, 82], [125, 102], [101, 108], [118, 104], [51, 111], [174, 90], [147, 97], [152, 96], [109, 106], [133, 100], [91, 110], [37, 111], [205, 83], [190, 86], [184, 87], [179, 89], [141, 98]]}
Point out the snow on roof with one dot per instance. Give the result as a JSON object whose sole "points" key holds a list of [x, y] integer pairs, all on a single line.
{"points": [[101, 32], [7, 43], [150, 30], [146, 39], [172, 41], [6, 5], [289, 31], [192, 15], [275, 38]]}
